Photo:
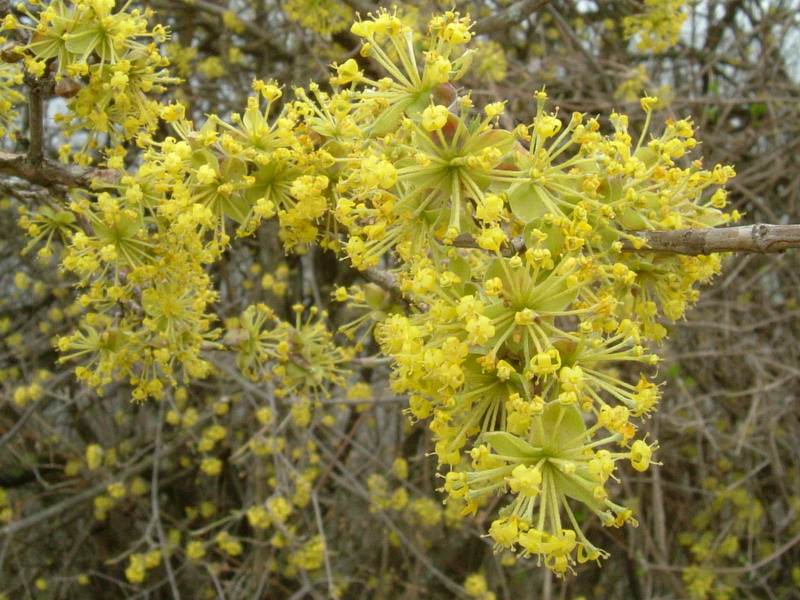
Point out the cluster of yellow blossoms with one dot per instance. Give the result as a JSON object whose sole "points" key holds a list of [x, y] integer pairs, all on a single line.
{"points": [[105, 62], [511, 355], [658, 25], [515, 253], [10, 77]]}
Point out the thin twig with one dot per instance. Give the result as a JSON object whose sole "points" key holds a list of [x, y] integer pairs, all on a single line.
{"points": [[217, 584], [21, 421], [264, 36], [310, 286], [35, 153], [747, 569], [301, 593], [343, 446], [154, 503], [512, 15], [326, 558], [40, 404], [547, 589], [590, 59]]}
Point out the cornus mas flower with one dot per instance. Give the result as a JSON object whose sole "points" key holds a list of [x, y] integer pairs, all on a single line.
{"points": [[513, 355], [437, 161], [555, 461], [109, 59], [658, 26], [323, 16], [301, 357], [47, 224], [10, 76], [72, 31], [515, 298]]}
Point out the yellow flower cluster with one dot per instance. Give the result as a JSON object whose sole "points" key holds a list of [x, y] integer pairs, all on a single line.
{"points": [[10, 76], [516, 284], [102, 63], [657, 26], [5, 508], [513, 352], [138, 564], [325, 17], [711, 551]]}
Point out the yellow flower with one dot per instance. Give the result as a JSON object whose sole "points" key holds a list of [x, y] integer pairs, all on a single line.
{"points": [[136, 569], [9, 22], [525, 480], [94, 456], [195, 550], [434, 117], [211, 466], [492, 239], [116, 490], [228, 543], [505, 531], [258, 517], [348, 72], [641, 454]]}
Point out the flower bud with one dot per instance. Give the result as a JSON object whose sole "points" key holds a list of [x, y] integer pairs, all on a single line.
{"points": [[9, 53]]}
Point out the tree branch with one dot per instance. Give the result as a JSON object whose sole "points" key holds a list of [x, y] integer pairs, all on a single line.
{"points": [[49, 173], [388, 282], [509, 248], [760, 238], [35, 121], [510, 16]]}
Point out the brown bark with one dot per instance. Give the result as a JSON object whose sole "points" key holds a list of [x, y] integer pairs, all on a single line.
{"points": [[759, 238]]}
